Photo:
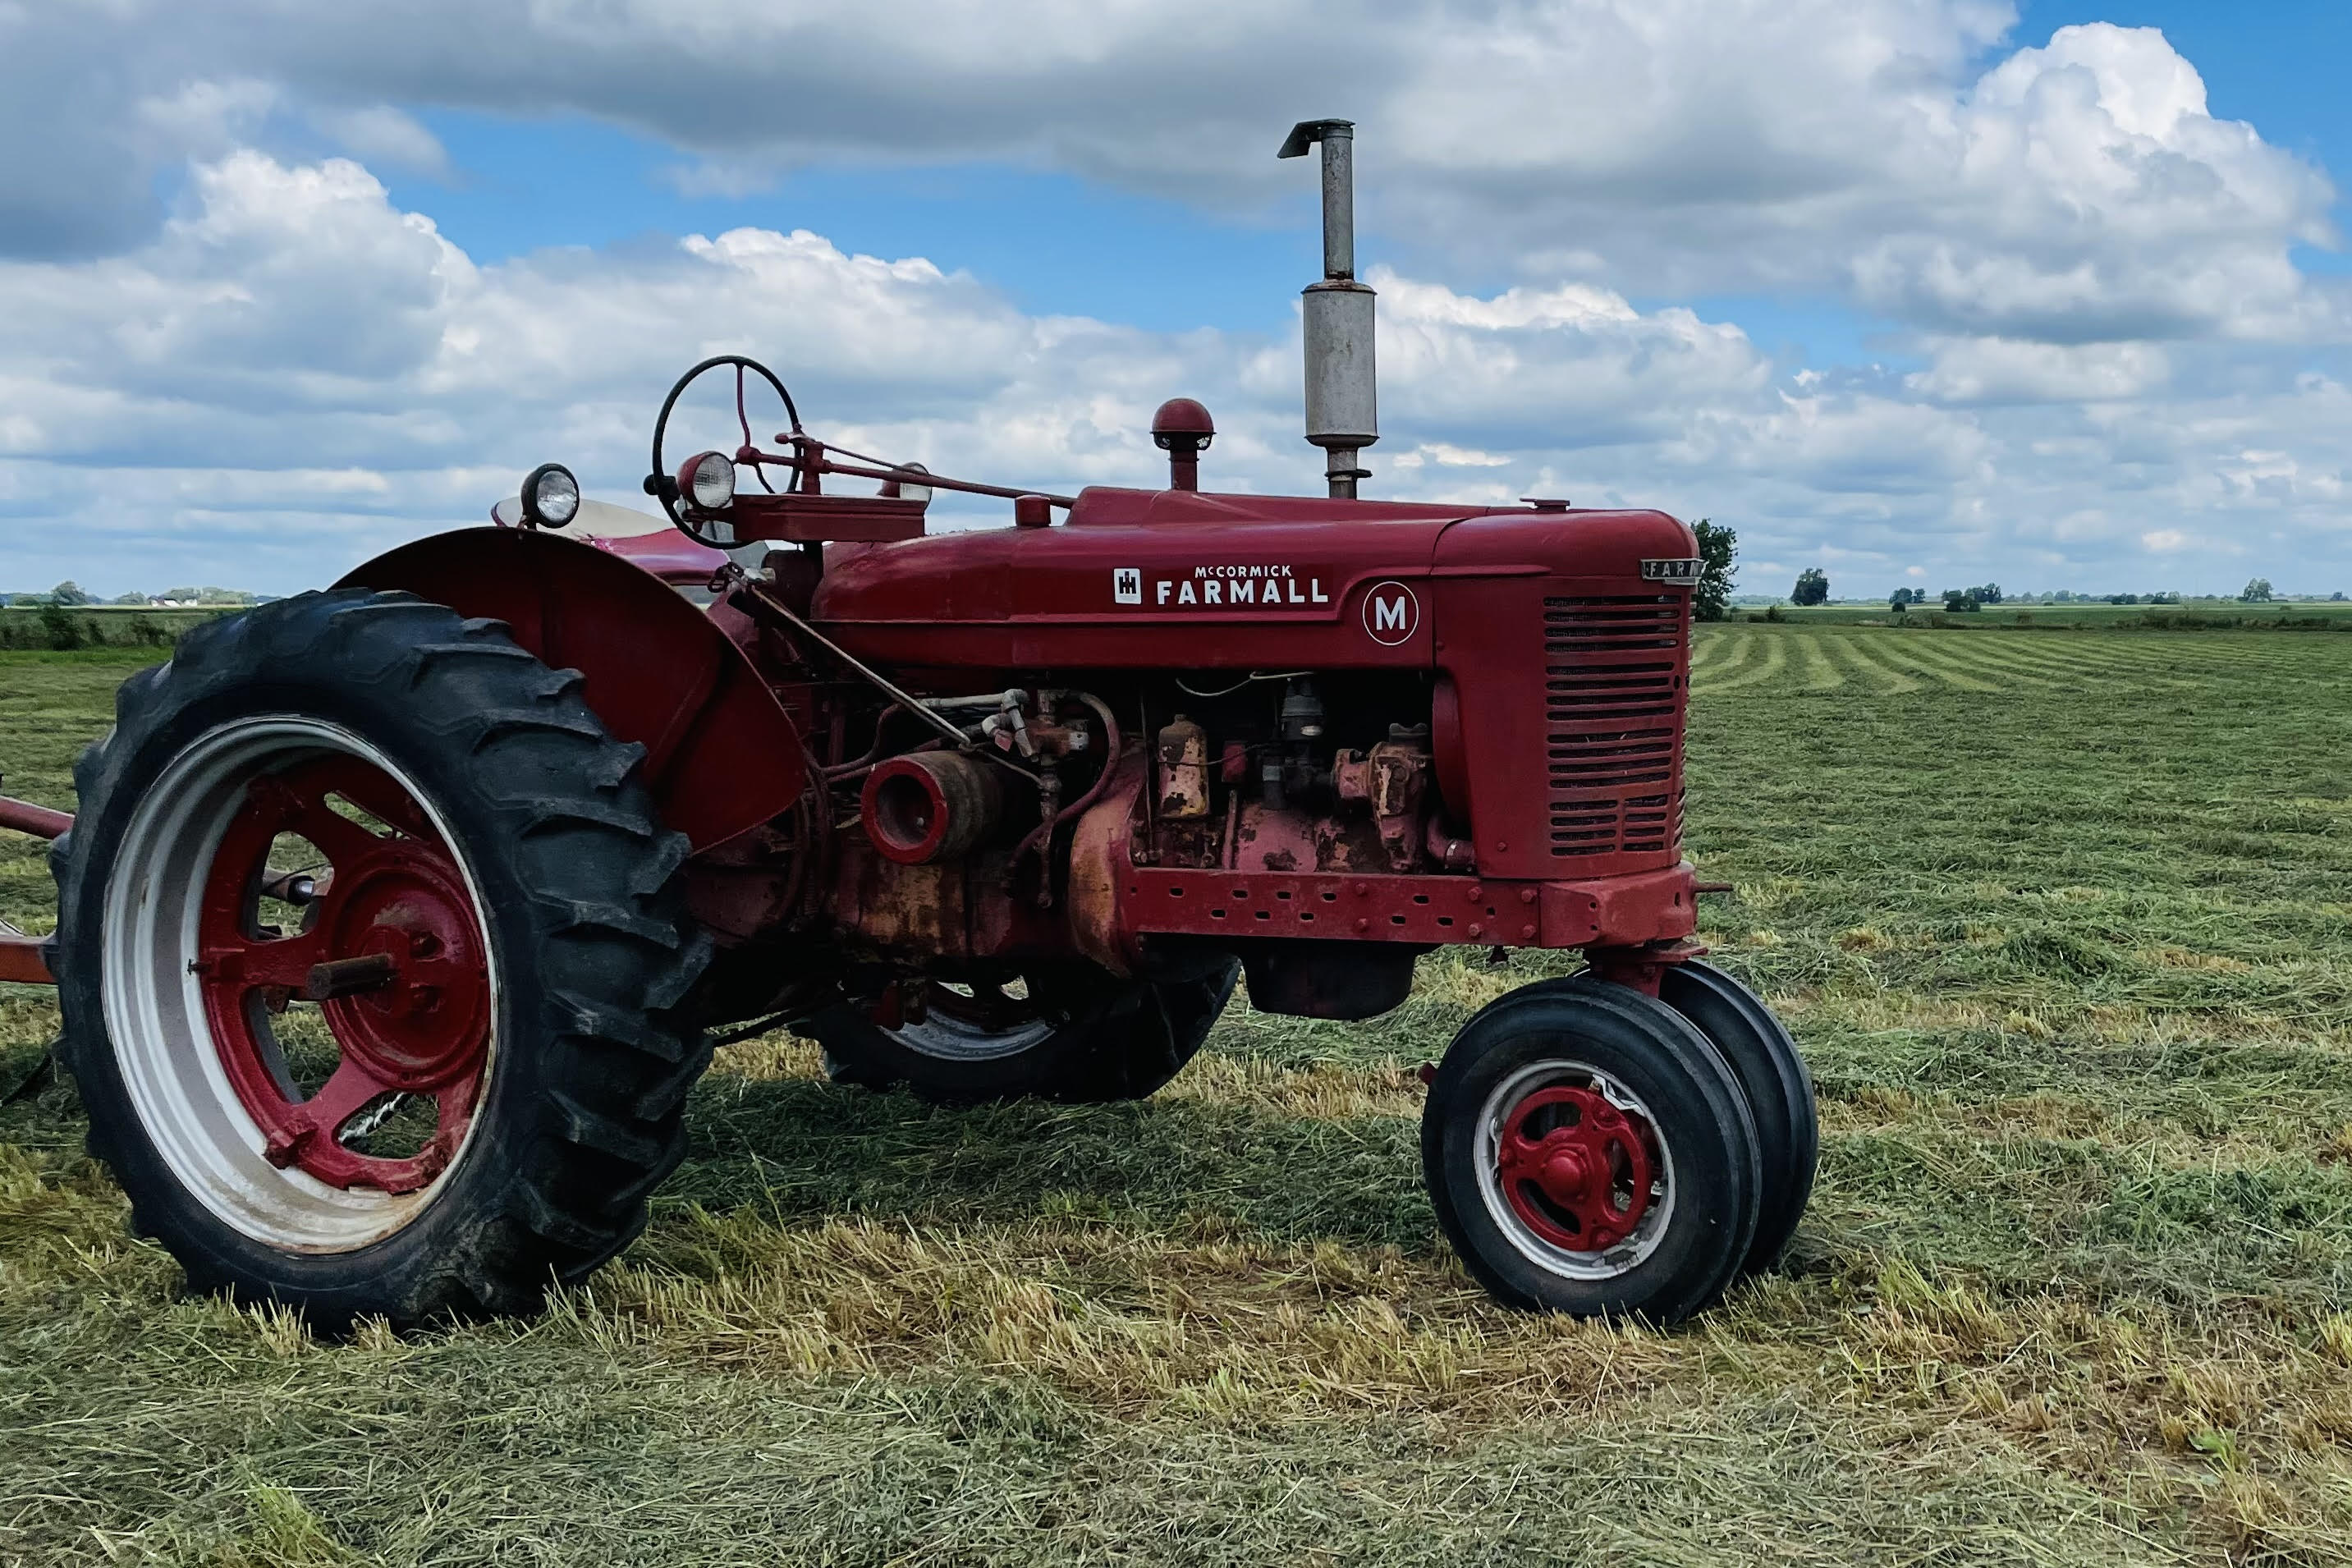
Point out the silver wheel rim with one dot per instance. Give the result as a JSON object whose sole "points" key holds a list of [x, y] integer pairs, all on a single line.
{"points": [[1610, 1263], [949, 1037], [165, 1047]]}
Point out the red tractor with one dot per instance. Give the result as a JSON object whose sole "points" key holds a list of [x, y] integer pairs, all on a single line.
{"points": [[398, 919]]}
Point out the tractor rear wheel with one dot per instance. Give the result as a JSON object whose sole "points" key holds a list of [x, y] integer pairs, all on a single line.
{"points": [[1588, 1151], [370, 965], [1080, 1037]]}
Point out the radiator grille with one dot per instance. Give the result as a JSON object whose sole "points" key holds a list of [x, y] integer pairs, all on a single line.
{"points": [[1614, 673]]}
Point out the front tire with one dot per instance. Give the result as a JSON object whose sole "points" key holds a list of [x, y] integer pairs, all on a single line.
{"points": [[1080, 1038], [1763, 1057], [490, 936], [1589, 1153]]}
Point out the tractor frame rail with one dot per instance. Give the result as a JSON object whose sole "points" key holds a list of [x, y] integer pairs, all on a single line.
{"points": [[25, 959]]}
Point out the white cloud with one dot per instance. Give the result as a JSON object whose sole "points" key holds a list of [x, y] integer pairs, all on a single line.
{"points": [[2105, 353], [2076, 192], [385, 136], [2004, 370], [295, 372]]}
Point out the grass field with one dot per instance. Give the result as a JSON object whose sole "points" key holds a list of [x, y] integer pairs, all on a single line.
{"points": [[2196, 614], [2063, 918]]}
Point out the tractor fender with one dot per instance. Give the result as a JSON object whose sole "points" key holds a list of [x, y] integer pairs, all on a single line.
{"points": [[721, 755]]}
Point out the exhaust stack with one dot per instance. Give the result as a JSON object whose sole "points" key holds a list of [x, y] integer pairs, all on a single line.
{"points": [[1342, 401]]}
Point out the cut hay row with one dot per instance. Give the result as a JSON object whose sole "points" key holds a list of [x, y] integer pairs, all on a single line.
{"points": [[1895, 662], [1744, 671]]}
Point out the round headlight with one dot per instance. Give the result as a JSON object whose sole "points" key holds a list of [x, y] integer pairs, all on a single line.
{"points": [[706, 480], [908, 489], [550, 496]]}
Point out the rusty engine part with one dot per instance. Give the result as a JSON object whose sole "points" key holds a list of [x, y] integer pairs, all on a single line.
{"points": [[986, 811], [929, 805]]}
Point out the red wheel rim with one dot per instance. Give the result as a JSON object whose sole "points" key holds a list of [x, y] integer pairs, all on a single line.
{"points": [[391, 945], [1575, 1168]]}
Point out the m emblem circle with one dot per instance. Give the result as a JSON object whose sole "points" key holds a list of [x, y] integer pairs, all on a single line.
{"points": [[1392, 614]]}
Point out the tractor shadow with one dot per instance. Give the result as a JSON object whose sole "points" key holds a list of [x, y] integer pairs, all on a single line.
{"points": [[805, 1149]]}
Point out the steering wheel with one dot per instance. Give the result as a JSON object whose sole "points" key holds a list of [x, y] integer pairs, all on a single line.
{"points": [[662, 483]]}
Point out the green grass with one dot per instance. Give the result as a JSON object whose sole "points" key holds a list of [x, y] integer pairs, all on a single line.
{"points": [[2196, 614], [2059, 916]]}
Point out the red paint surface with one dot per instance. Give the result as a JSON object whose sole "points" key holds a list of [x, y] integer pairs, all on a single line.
{"points": [[24, 961], [1648, 907], [721, 755], [668, 555], [399, 896], [1565, 1156], [37, 820]]}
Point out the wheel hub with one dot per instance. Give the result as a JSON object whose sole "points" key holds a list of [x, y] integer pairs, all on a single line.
{"points": [[391, 947], [427, 1026], [1574, 1168]]}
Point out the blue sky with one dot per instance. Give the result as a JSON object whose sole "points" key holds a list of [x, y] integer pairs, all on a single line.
{"points": [[1916, 289]]}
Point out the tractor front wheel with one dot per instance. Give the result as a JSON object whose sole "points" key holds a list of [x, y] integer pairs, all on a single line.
{"points": [[1758, 1049], [1075, 1035], [1588, 1151], [370, 964]]}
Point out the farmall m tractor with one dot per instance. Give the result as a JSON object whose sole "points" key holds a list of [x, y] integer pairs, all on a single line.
{"points": [[397, 919]]}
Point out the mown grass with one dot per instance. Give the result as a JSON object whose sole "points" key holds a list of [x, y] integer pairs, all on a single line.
{"points": [[2060, 919]]}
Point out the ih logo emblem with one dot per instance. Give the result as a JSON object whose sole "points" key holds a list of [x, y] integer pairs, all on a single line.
{"points": [[1126, 585], [1392, 614]]}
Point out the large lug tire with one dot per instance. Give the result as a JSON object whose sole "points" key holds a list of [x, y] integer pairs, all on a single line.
{"points": [[1589, 1153], [504, 900], [1763, 1056], [1088, 1042]]}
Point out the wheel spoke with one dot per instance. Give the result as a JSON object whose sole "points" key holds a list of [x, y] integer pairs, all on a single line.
{"points": [[306, 1135], [339, 838], [245, 963], [366, 787]]}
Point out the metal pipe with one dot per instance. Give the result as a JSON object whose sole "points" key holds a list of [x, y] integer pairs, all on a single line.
{"points": [[1337, 318], [1338, 199], [1045, 830], [24, 960], [904, 699], [877, 468], [37, 820]]}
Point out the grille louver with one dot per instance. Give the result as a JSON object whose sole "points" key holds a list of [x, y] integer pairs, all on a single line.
{"points": [[1613, 722]]}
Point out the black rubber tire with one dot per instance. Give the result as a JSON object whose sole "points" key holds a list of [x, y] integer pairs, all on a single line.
{"points": [[1699, 1115], [581, 1116], [1763, 1056], [1125, 1043]]}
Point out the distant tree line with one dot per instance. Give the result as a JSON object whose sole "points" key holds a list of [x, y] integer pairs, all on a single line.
{"points": [[1718, 549], [1957, 601], [71, 595]]}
